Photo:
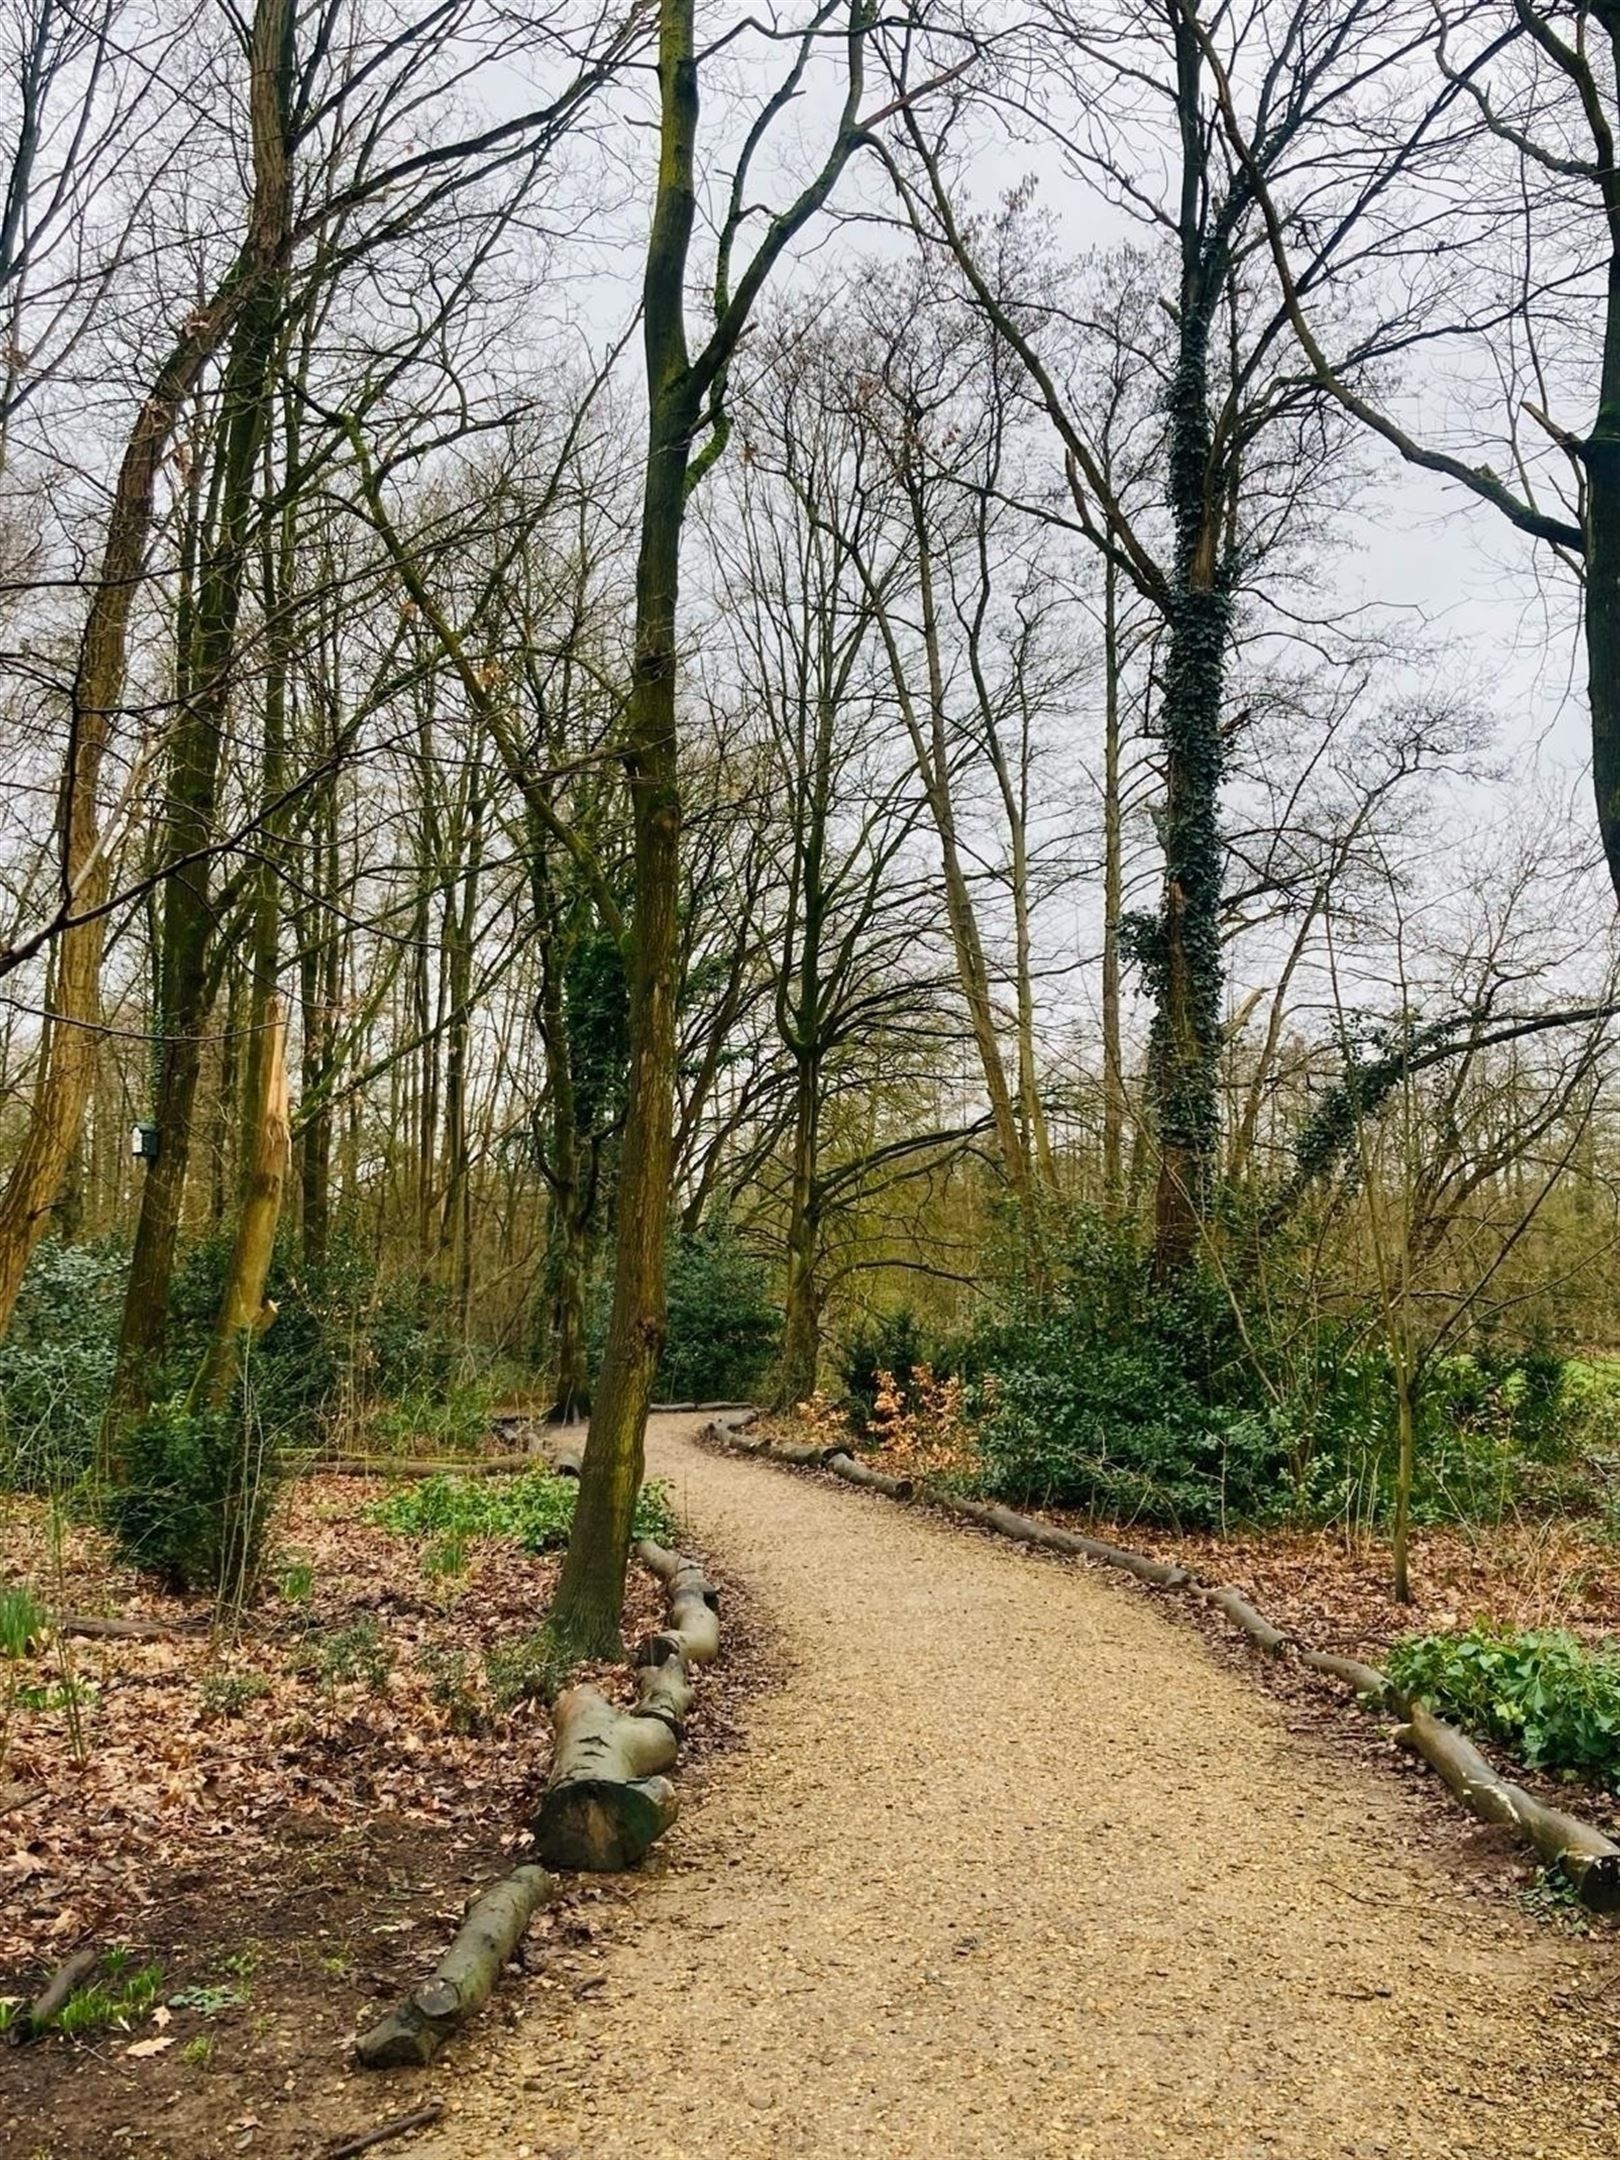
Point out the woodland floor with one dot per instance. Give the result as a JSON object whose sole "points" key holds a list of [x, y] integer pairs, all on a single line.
{"points": [[1013, 1863], [286, 1819], [1010, 1861]]}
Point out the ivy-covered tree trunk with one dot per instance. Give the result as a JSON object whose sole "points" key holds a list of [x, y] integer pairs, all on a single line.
{"points": [[1182, 952]]}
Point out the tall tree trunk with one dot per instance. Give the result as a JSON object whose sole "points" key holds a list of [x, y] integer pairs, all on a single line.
{"points": [[590, 1594], [461, 911], [67, 1062], [1600, 460], [186, 980], [801, 1309], [1184, 960], [243, 1311], [931, 748], [1113, 1104]]}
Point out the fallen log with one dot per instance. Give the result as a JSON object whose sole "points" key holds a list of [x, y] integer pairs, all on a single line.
{"points": [[53, 1996], [606, 1801], [1366, 1680], [348, 2148], [1161, 1573], [1578, 1850], [97, 1628], [463, 1979], [672, 1409], [417, 1466], [855, 1472], [566, 1451], [663, 1686], [693, 1626], [1236, 1608], [804, 1458]]}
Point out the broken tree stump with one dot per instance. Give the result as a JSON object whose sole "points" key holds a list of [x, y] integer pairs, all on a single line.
{"points": [[461, 1983]]}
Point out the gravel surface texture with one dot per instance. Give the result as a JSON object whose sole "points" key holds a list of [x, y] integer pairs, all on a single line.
{"points": [[1009, 1863]]}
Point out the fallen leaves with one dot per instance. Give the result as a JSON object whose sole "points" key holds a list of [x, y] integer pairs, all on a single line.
{"points": [[200, 1747]]}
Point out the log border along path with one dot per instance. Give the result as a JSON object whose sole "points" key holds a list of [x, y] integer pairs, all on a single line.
{"points": [[1012, 1864]]}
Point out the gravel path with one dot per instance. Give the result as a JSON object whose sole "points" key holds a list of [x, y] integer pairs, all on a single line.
{"points": [[1011, 1864]]}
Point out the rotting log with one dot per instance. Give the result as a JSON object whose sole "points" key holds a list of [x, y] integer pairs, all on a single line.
{"points": [[606, 1801], [565, 1450], [1163, 1574], [464, 1977], [1578, 1850], [1234, 1606], [53, 1996], [693, 1625], [855, 1472]]}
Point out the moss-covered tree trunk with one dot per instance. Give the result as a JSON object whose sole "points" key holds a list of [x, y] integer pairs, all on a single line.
{"points": [[185, 972], [680, 392], [267, 1147]]}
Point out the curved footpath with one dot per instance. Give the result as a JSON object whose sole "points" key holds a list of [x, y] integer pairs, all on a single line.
{"points": [[1011, 1864]]}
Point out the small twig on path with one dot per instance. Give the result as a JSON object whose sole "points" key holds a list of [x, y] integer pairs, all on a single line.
{"points": [[399, 2126]]}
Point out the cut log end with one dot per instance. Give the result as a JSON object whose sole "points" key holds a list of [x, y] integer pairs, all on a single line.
{"points": [[599, 1825]]}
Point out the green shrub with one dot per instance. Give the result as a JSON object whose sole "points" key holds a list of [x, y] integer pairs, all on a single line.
{"points": [[723, 1328], [1114, 1393], [358, 1652], [1540, 1691], [535, 1509], [56, 1365], [452, 1420], [199, 1490]]}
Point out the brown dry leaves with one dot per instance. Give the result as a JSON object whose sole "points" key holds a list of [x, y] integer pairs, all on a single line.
{"points": [[341, 1694]]}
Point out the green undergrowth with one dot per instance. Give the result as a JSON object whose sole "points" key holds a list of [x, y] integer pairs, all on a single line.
{"points": [[535, 1509], [1552, 1699]]}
